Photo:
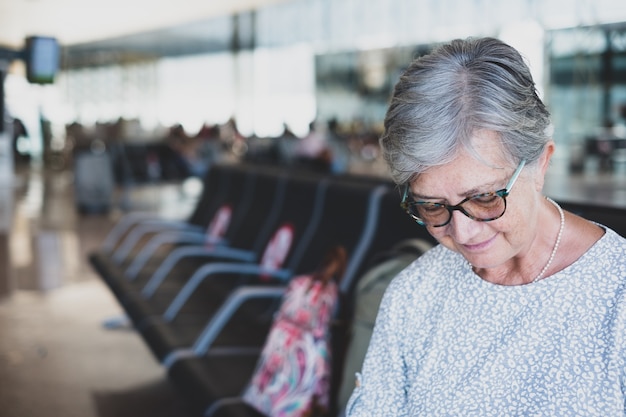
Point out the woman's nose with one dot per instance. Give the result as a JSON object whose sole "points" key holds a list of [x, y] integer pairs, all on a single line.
{"points": [[462, 228]]}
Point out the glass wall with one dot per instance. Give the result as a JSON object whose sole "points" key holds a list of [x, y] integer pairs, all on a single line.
{"points": [[290, 59], [587, 89]]}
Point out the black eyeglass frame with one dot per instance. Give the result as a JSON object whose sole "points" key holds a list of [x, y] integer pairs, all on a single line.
{"points": [[503, 193]]}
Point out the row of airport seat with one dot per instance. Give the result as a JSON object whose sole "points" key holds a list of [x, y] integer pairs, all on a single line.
{"points": [[204, 301], [202, 296]]}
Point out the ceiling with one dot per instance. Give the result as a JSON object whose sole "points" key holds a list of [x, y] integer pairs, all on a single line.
{"points": [[118, 26]]}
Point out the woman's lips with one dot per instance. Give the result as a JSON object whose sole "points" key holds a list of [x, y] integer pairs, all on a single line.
{"points": [[477, 247]]}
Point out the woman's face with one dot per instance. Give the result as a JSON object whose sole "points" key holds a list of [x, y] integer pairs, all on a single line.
{"points": [[483, 244]]}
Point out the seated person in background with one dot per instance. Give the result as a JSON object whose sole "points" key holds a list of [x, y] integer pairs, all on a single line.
{"points": [[312, 151], [521, 308], [186, 160]]}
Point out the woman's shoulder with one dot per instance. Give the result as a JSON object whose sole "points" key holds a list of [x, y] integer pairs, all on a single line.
{"points": [[429, 269], [583, 238], [604, 258], [609, 240]]}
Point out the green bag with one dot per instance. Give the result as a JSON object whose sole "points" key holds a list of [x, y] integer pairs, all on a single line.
{"points": [[368, 295]]}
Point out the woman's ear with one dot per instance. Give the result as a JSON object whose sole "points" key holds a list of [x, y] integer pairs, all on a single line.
{"points": [[543, 164]]}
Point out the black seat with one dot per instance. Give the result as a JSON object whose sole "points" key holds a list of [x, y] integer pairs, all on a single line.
{"points": [[174, 313], [350, 219], [240, 217], [214, 185], [239, 184], [136, 260]]}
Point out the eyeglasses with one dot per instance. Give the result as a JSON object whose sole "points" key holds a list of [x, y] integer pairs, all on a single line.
{"points": [[481, 207]]}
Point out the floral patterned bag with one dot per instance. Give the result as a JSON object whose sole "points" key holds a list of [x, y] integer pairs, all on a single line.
{"points": [[292, 375]]}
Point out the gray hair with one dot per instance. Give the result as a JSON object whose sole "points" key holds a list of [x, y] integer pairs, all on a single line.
{"points": [[462, 87]]}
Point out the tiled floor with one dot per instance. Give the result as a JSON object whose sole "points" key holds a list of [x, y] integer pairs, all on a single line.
{"points": [[56, 358]]}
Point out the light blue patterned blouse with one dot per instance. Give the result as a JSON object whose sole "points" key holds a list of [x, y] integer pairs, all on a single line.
{"points": [[448, 343]]}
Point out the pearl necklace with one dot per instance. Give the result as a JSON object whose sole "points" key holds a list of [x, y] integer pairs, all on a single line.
{"points": [[556, 244]]}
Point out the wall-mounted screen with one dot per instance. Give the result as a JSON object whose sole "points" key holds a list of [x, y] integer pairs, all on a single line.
{"points": [[42, 57]]}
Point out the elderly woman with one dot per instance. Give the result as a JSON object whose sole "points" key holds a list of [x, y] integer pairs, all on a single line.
{"points": [[521, 309]]}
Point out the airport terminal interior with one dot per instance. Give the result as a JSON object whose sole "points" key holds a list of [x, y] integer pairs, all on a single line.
{"points": [[132, 122]]}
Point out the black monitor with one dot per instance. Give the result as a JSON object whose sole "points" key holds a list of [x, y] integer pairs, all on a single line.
{"points": [[42, 56]]}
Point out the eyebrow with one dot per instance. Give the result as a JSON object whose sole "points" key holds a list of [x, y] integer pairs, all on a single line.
{"points": [[486, 188]]}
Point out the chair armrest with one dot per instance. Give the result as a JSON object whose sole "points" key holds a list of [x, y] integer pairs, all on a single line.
{"points": [[121, 227], [153, 226], [191, 237], [222, 402], [177, 254], [221, 318], [206, 271]]}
